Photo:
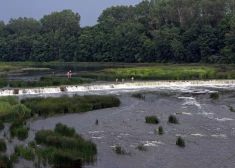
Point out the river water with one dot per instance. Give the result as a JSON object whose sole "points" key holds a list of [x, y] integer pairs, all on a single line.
{"points": [[206, 125]]}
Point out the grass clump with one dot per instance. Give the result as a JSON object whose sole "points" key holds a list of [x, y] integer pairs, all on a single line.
{"points": [[49, 81], [62, 105], [231, 108], [3, 146], [172, 119], [5, 162], [180, 142], [18, 129], [119, 150], [64, 148], [14, 158], [214, 96], [160, 130], [141, 147], [138, 96], [24, 152], [151, 120]]}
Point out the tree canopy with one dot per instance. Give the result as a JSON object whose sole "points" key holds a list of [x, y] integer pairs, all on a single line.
{"points": [[178, 31]]}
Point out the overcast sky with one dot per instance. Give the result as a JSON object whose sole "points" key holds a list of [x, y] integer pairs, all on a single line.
{"points": [[88, 9]]}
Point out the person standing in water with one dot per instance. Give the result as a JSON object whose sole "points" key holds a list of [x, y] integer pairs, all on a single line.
{"points": [[132, 79], [116, 80], [69, 74]]}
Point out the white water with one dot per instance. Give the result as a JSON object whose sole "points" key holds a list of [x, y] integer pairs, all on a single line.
{"points": [[145, 84]]}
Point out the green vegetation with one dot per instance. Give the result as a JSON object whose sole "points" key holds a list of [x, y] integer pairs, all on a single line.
{"points": [[24, 152], [1, 126], [49, 81], [64, 148], [138, 96], [14, 158], [172, 119], [63, 105], [17, 129], [3, 146], [119, 150], [151, 120], [180, 142], [141, 147], [5, 162], [231, 108], [151, 31], [160, 130], [214, 96]]}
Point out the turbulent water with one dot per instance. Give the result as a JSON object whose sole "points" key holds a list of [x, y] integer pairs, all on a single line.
{"points": [[206, 125]]}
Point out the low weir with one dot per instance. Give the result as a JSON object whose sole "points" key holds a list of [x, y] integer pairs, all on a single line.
{"points": [[126, 85]]}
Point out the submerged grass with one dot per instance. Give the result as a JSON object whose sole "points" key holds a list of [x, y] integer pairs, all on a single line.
{"points": [[172, 119], [180, 142], [214, 96], [138, 96], [151, 120]]}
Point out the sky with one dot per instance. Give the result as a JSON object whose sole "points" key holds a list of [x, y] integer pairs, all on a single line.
{"points": [[89, 10]]}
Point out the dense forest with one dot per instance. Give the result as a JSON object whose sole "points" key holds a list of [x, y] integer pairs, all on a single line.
{"points": [[177, 31]]}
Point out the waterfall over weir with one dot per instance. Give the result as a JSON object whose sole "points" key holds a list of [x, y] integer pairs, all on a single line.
{"points": [[127, 85]]}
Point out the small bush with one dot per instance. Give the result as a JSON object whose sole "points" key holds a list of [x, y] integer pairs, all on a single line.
{"points": [[22, 133], [142, 147], [180, 142], [214, 96], [151, 120], [160, 130], [172, 119], [3, 146], [5, 162], [138, 96], [32, 144]]}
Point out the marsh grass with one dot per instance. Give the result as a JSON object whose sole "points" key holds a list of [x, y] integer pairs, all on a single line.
{"points": [[141, 147], [180, 142], [119, 150], [62, 105], [160, 130], [64, 148], [3, 146], [231, 108], [1, 126], [18, 129], [138, 96], [14, 158], [214, 96], [5, 162], [172, 119], [24, 152], [151, 120], [49, 81]]}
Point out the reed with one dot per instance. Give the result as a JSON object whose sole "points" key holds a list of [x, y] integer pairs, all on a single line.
{"points": [[5, 162], [17, 129], [138, 96], [180, 142], [160, 130], [172, 119], [24, 152], [214, 96], [64, 148], [3, 146], [151, 120], [62, 105]]}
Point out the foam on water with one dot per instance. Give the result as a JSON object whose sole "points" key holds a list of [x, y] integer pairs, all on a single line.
{"points": [[152, 143], [174, 85]]}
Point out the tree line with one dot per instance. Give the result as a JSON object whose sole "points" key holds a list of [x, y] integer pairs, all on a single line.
{"points": [[177, 31]]}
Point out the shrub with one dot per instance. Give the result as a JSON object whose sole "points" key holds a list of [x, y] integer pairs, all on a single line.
{"points": [[3, 146], [22, 133], [151, 120], [160, 130], [172, 119], [180, 142], [214, 96], [138, 96]]}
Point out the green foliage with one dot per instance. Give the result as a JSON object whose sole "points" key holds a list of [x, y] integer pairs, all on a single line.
{"points": [[14, 158], [17, 129], [231, 109], [61, 105], [5, 162], [172, 119], [180, 142], [119, 150], [214, 96], [141, 147], [24, 152], [1, 126], [63, 147], [9, 99], [160, 130], [138, 96], [151, 120], [3, 146]]}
